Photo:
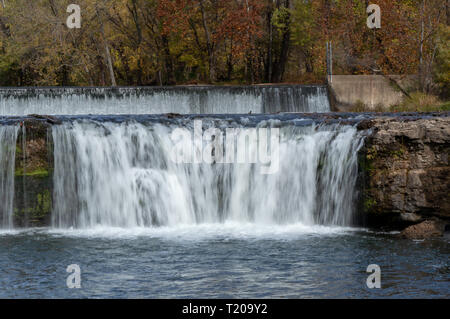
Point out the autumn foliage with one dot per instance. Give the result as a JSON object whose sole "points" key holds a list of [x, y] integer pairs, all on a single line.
{"points": [[165, 42]]}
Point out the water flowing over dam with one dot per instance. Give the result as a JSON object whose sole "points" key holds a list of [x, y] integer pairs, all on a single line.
{"points": [[122, 175], [158, 100], [8, 137]]}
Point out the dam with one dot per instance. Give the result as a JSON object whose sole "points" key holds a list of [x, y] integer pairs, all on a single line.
{"points": [[87, 176], [158, 100], [117, 171]]}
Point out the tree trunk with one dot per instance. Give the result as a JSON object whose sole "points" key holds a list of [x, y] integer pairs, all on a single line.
{"points": [[280, 64], [135, 15], [168, 61], [421, 41], [269, 58], [107, 52], [110, 65], [209, 45], [447, 11]]}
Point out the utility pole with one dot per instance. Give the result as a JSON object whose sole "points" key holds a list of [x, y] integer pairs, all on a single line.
{"points": [[329, 58]]}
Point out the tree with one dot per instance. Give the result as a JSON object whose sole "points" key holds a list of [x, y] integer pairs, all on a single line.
{"points": [[164, 42]]}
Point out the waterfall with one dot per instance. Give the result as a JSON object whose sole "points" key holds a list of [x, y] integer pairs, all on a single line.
{"points": [[155, 100], [8, 137], [124, 175]]}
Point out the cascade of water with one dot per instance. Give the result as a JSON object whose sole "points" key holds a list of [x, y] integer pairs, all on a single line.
{"points": [[123, 175], [183, 100], [8, 138]]}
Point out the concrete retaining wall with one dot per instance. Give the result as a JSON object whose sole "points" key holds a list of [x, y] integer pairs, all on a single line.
{"points": [[372, 90]]}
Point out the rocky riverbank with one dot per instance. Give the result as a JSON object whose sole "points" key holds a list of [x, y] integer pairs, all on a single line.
{"points": [[406, 174]]}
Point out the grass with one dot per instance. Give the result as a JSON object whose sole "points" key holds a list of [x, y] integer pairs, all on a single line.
{"points": [[419, 102], [359, 106]]}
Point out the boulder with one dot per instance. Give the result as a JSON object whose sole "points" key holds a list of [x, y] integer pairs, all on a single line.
{"points": [[426, 229]]}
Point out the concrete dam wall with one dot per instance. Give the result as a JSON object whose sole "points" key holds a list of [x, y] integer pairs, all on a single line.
{"points": [[372, 90], [160, 100]]}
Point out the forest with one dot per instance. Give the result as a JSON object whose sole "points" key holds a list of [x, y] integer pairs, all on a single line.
{"points": [[173, 42]]}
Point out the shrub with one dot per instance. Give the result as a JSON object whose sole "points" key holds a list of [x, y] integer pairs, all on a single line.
{"points": [[421, 102], [359, 106]]}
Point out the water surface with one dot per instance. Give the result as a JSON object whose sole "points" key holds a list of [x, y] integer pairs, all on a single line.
{"points": [[221, 261]]}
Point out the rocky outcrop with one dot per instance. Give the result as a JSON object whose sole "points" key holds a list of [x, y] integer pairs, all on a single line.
{"points": [[406, 172], [426, 229]]}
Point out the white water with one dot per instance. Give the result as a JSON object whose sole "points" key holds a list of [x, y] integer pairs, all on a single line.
{"points": [[183, 100], [208, 231], [121, 175], [8, 137]]}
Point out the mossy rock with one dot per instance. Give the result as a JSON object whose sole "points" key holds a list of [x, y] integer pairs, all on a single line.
{"points": [[38, 214], [33, 199], [38, 173]]}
